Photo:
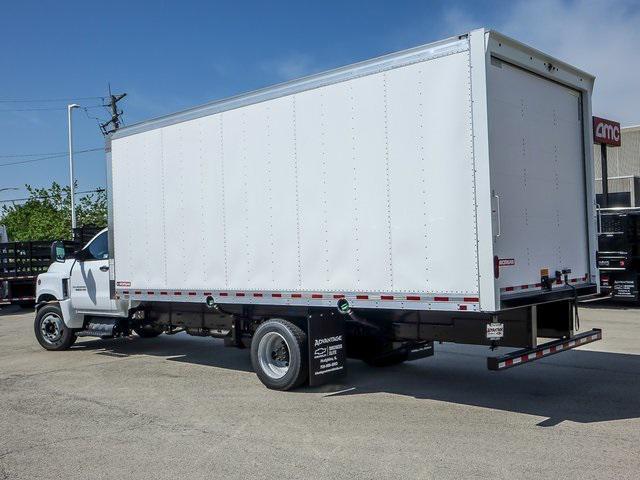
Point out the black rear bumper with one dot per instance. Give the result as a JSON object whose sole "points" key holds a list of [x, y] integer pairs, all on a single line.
{"points": [[541, 296]]}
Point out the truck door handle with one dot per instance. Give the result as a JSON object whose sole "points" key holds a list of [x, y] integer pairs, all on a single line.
{"points": [[104, 268], [497, 211]]}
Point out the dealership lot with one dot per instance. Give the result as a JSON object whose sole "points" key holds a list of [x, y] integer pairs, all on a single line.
{"points": [[182, 407]]}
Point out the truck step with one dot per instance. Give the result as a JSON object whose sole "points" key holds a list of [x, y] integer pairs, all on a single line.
{"points": [[520, 357], [103, 328]]}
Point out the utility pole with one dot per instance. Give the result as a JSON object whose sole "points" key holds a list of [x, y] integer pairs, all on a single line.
{"points": [[72, 179], [113, 124]]}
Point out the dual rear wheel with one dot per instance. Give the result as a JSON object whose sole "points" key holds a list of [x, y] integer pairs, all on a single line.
{"points": [[279, 354]]}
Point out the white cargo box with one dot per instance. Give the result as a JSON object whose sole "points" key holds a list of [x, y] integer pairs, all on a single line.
{"points": [[445, 177]]}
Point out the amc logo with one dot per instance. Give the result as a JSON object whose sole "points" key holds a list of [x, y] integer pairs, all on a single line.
{"points": [[606, 131]]}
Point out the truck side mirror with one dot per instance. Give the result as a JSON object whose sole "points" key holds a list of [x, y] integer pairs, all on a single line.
{"points": [[58, 253]]}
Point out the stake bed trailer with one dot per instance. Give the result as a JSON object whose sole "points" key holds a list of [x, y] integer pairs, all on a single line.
{"points": [[21, 263], [442, 193]]}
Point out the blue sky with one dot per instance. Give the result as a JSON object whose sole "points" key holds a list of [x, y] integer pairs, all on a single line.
{"points": [[172, 55]]}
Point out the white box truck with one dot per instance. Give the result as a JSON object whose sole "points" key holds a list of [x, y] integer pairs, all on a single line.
{"points": [[442, 193]]}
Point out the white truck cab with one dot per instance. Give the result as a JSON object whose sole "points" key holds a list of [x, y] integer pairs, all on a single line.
{"points": [[79, 285]]}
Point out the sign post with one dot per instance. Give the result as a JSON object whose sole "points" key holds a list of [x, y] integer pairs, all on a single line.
{"points": [[605, 175], [605, 132]]}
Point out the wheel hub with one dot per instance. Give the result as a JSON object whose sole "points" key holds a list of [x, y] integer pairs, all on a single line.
{"points": [[273, 355], [52, 328]]}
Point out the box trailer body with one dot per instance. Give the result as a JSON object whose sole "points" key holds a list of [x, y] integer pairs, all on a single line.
{"points": [[442, 193], [444, 177]]}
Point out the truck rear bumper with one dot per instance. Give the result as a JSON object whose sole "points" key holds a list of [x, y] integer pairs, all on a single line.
{"points": [[519, 357], [540, 296]]}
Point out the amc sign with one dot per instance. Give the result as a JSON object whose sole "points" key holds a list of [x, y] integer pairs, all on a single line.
{"points": [[606, 131]]}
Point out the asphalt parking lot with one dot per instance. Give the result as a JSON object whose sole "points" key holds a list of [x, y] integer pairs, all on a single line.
{"points": [[181, 407]]}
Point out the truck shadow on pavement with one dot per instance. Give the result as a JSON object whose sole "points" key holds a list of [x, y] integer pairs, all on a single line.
{"points": [[6, 309], [580, 386], [611, 304], [175, 348]]}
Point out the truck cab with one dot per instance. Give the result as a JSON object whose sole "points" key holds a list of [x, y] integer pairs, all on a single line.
{"points": [[78, 284]]}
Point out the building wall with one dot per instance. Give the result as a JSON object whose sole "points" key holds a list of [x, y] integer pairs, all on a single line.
{"points": [[622, 161]]}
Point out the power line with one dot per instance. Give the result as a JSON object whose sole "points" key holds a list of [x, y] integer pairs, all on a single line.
{"points": [[77, 152], [19, 155], [40, 109], [91, 117], [44, 197], [48, 100]]}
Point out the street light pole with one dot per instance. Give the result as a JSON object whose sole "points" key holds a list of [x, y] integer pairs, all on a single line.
{"points": [[72, 178]]}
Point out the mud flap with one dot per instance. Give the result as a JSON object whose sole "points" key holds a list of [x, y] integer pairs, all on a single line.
{"points": [[327, 356]]}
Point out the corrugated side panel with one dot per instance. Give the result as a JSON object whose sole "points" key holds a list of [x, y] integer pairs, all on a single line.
{"points": [[362, 186]]}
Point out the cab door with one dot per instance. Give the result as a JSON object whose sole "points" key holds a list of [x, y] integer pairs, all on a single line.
{"points": [[90, 277]]}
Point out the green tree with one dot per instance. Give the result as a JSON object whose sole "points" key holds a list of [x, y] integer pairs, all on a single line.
{"points": [[46, 215]]}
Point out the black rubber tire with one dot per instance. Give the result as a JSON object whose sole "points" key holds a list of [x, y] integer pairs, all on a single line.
{"points": [[68, 336], [147, 331], [296, 340]]}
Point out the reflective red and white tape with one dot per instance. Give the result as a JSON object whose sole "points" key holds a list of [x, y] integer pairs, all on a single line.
{"points": [[568, 345], [532, 286], [237, 296]]}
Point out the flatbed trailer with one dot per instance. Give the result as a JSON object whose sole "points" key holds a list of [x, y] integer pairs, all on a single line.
{"points": [[439, 194]]}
